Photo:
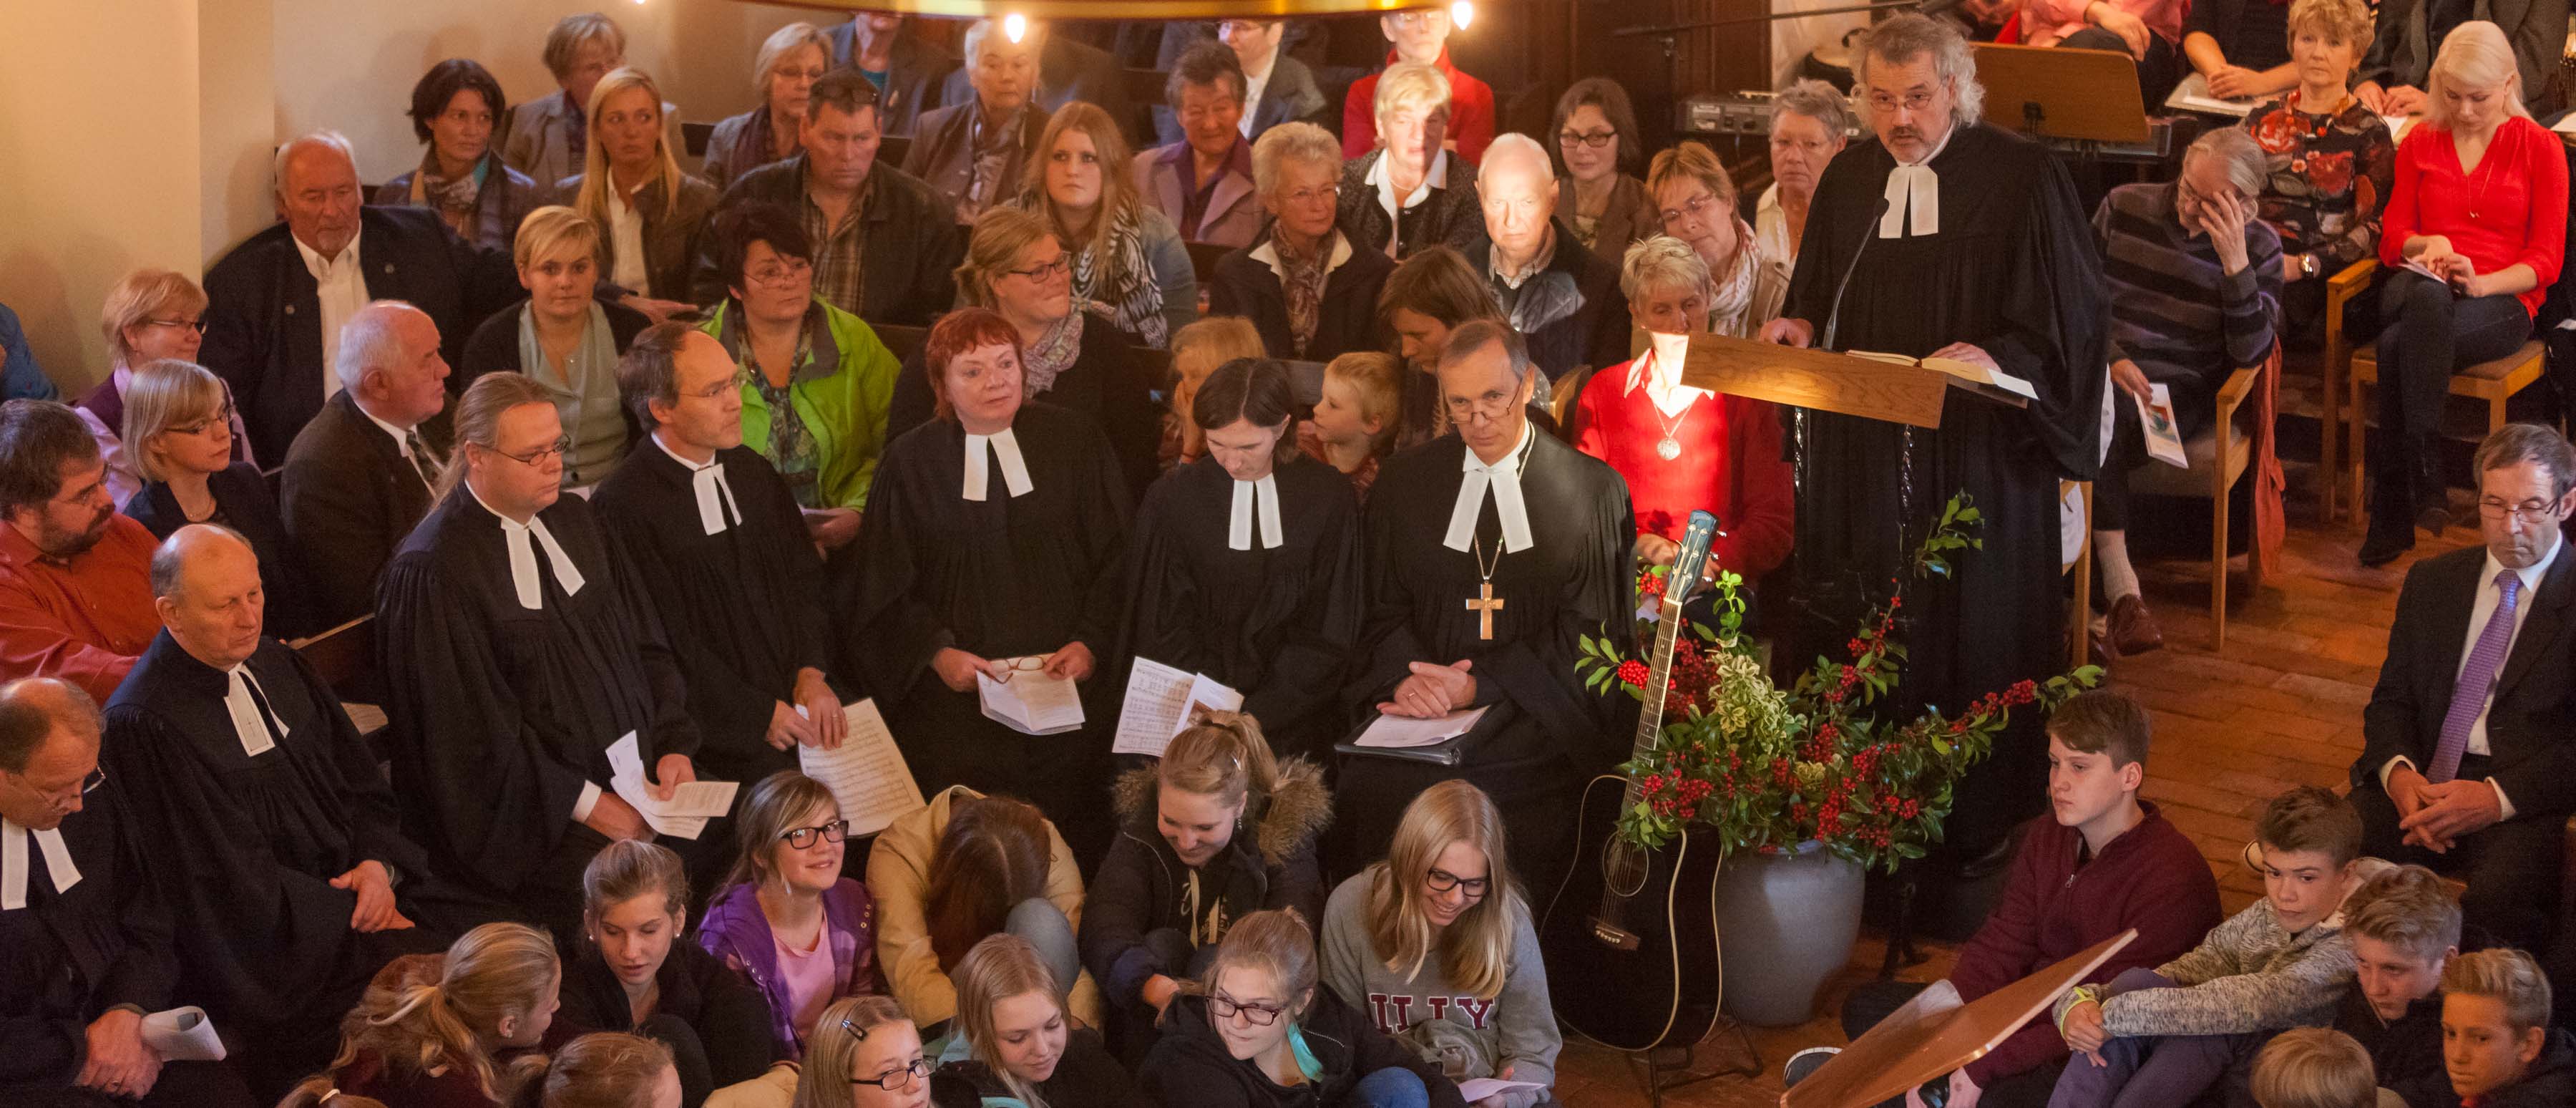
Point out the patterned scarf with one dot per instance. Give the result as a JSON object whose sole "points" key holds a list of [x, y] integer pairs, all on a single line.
{"points": [[1731, 296], [1124, 286], [1302, 282], [1053, 353], [453, 199]]}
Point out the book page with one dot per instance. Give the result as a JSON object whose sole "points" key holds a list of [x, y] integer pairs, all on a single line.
{"points": [[1031, 702], [866, 773], [626, 777], [2192, 95], [1403, 733], [1157, 697], [183, 1035], [1971, 371]]}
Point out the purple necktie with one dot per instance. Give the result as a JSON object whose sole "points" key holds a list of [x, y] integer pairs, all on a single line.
{"points": [[2469, 697]]}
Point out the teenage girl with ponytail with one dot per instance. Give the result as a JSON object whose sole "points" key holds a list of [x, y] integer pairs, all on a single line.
{"points": [[447, 1031], [1216, 830]]}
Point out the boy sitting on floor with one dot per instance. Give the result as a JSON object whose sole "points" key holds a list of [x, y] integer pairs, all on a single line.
{"points": [[2496, 1040], [2404, 927], [2155, 1039], [2314, 1067]]}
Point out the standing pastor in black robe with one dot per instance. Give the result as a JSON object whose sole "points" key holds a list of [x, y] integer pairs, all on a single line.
{"points": [[2002, 260], [1007, 576], [1277, 625], [1544, 735], [502, 715], [84, 941]]}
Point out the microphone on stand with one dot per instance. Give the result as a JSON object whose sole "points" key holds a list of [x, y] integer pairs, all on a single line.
{"points": [[1834, 316]]}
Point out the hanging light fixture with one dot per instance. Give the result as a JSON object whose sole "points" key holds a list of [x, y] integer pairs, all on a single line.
{"points": [[1015, 26]]}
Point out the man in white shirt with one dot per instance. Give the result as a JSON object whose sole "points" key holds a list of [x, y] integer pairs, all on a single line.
{"points": [[2470, 757]]}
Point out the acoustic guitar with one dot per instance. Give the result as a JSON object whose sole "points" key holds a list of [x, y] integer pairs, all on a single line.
{"points": [[1631, 940]]}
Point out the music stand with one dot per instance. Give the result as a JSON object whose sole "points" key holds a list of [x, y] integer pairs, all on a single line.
{"points": [[1924, 1040], [2083, 96]]}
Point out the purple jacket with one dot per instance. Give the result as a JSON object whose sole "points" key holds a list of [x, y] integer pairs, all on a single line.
{"points": [[735, 931]]}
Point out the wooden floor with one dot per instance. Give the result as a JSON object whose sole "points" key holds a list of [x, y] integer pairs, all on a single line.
{"points": [[2281, 705]]}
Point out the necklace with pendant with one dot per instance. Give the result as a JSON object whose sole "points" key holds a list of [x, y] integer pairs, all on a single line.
{"points": [[1669, 448]]}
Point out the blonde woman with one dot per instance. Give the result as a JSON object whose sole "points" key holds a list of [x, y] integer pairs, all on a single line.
{"points": [[2480, 198], [1410, 192], [149, 315], [546, 135], [1253, 1031], [1014, 1039], [179, 417], [1216, 830], [605, 1069], [650, 216], [636, 973], [1696, 201], [1196, 352], [564, 338], [866, 1054], [1126, 256], [790, 61], [1441, 918], [431, 1028]]}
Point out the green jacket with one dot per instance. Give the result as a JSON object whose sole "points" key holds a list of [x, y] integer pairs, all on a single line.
{"points": [[842, 384]]}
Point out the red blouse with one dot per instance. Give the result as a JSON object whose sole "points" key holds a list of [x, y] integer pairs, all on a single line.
{"points": [[1730, 464], [2511, 210]]}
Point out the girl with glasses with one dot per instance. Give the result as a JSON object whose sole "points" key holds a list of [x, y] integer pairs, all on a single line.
{"points": [[786, 919], [1254, 1032], [179, 422], [1015, 1043], [1437, 934], [634, 972], [866, 1054]]}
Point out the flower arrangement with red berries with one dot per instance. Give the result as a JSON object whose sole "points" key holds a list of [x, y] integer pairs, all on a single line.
{"points": [[1767, 768]]}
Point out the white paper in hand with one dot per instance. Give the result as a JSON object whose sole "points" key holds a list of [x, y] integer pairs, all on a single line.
{"points": [[1157, 709], [685, 815], [1405, 733], [1031, 702], [866, 773], [1478, 1088], [2164, 436], [183, 1035]]}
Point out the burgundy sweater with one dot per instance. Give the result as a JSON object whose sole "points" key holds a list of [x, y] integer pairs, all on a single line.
{"points": [[2151, 878]]}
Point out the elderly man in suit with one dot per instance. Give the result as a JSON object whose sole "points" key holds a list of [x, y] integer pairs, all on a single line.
{"points": [[361, 475], [1204, 181], [277, 301], [908, 71], [1278, 88], [1068, 70], [2469, 763]]}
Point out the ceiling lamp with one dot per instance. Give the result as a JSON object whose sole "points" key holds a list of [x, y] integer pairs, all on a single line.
{"points": [[1461, 12]]}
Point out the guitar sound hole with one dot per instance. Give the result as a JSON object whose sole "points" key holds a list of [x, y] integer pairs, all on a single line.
{"points": [[1623, 868]]}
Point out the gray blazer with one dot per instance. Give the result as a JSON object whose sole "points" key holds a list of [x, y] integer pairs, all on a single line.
{"points": [[2401, 53], [535, 143], [1234, 214]]}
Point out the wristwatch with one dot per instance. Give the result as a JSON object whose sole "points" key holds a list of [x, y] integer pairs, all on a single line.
{"points": [[2307, 265]]}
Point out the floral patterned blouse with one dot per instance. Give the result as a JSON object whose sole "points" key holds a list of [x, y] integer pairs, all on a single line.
{"points": [[2330, 176]]}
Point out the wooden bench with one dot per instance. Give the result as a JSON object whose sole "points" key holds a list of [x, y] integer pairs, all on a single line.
{"points": [[2493, 382]]}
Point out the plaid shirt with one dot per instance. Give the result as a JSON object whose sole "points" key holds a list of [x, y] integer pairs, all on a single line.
{"points": [[838, 280]]}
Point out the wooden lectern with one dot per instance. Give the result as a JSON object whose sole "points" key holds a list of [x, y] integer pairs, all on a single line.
{"points": [[1817, 379], [1921, 1041]]}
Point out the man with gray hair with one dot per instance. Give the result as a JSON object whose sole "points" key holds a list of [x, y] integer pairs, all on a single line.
{"points": [[1938, 235], [1563, 298], [359, 476], [276, 302], [2195, 283], [274, 834]]}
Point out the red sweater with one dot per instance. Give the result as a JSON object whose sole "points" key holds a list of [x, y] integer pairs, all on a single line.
{"points": [[1471, 112], [85, 621], [2512, 210], [2151, 878], [1730, 464]]}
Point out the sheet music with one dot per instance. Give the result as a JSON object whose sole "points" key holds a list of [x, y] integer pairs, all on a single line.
{"points": [[866, 773], [1402, 733], [1157, 708], [1478, 1088], [183, 1035], [684, 815], [1031, 702]]}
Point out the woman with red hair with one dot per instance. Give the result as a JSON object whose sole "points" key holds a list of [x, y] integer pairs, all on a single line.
{"points": [[988, 555]]}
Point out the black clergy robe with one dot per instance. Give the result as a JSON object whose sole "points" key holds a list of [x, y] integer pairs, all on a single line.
{"points": [[742, 609], [1278, 625], [1005, 577], [2013, 270], [244, 847], [1544, 735], [69, 956], [500, 714]]}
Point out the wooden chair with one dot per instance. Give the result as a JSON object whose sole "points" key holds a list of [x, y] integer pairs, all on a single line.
{"points": [[2079, 573], [901, 340], [2219, 457], [2493, 382], [1203, 258], [2340, 289]]}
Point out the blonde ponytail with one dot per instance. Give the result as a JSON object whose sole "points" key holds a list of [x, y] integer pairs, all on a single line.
{"points": [[422, 1013], [1221, 754]]}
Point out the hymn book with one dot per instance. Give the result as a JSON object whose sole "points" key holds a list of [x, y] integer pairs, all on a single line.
{"points": [[866, 773], [1434, 740], [1159, 701], [1030, 702], [1969, 372]]}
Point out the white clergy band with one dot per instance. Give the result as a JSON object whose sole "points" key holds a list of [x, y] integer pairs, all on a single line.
{"points": [[523, 561], [1238, 533], [1504, 478], [716, 501], [245, 711], [13, 862], [1915, 189], [979, 478]]}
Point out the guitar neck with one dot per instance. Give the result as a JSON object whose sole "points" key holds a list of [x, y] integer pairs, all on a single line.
{"points": [[1659, 679]]}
